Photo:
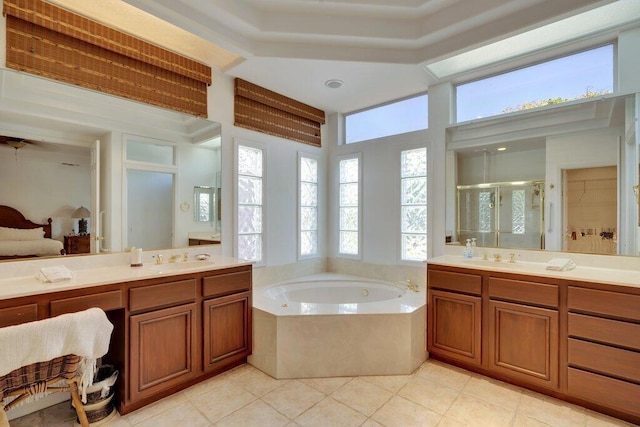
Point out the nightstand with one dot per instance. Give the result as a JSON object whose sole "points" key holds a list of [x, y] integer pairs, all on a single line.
{"points": [[77, 244]]}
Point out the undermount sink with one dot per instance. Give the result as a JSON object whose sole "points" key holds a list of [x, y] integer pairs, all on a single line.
{"points": [[492, 264], [177, 266]]}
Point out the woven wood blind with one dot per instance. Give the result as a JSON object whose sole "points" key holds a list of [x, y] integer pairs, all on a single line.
{"points": [[262, 110], [46, 40]]}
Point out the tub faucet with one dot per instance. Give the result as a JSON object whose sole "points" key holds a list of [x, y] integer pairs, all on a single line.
{"points": [[412, 287]]}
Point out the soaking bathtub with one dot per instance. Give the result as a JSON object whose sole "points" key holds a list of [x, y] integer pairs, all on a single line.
{"points": [[328, 325]]}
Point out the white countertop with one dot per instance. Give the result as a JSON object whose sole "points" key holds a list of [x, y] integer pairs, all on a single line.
{"points": [[583, 273], [28, 285]]}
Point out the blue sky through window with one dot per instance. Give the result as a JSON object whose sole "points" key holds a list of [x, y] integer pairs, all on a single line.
{"points": [[399, 117], [567, 77]]}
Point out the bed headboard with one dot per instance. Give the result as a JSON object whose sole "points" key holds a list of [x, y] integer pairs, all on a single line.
{"points": [[9, 217]]}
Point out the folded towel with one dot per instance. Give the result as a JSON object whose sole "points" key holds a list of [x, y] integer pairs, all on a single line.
{"points": [[85, 334], [54, 274]]}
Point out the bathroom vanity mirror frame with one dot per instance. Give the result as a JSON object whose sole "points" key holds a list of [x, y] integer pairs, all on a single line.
{"points": [[40, 109], [578, 122]]}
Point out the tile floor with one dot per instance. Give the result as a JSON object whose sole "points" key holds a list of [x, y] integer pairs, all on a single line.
{"points": [[435, 395]]}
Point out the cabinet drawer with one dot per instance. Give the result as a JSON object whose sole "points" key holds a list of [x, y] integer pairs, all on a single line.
{"points": [[615, 332], [613, 361], [105, 300], [228, 283], [17, 315], [460, 282], [521, 291], [162, 295], [610, 392], [612, 304]]}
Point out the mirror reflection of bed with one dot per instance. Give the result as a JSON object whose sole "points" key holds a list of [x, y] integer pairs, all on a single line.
{"points": [[22, 238]]}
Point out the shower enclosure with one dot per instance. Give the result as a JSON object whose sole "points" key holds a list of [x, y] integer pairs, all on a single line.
{"points": [[502, 214]]}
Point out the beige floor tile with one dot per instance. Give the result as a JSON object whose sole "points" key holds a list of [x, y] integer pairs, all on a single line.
{"points": [[393, 383], [551, 411], [256, 413], [371, 423], [293, 398], [446, 375], [35, 419], [429, 394], [149, 411], [493, 391], [185, 414], [329, 413], [449, 422], [258, 383], [525, 421], [475, 412], [205, 386], [363, 396], [401, 412], [595, 419], [326, 385], [227, 400]]}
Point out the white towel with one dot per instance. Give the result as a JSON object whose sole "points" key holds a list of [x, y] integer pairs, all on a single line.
{"points": [[85, 334], [54, 274]]}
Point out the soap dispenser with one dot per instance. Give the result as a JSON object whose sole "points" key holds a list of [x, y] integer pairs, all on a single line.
{"points": [[468, 250]]}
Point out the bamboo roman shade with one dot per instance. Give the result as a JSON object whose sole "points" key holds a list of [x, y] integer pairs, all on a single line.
{"points": [[262, 110], [49, 41]]}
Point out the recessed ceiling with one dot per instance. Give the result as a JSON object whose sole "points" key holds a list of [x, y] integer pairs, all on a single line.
{"points": [[378, 48]]}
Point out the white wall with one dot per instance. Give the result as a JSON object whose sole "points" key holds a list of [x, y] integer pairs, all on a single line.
{"points": [[40, 186], [380, 227], [281, 169], [504, 166], [597, 148]]}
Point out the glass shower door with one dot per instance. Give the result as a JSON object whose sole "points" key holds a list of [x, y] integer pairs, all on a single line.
{"points": [[520, 216], [477, 215], [506, 214]]}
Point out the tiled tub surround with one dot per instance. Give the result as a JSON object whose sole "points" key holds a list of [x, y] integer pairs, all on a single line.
{"points": [[307, 339], [571, 334]]}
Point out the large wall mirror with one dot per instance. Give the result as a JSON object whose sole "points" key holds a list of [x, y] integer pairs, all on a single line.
{"points": [[109, 156], [559, 178]]}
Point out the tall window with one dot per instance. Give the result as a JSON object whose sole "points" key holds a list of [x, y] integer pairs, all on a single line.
{"points": [[413, 187], [394, 118], [579, 76], [308, 209], [250, 203], [349, 234]]}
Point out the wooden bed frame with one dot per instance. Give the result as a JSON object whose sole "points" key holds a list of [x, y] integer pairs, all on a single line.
{"points": [[12, 218]]}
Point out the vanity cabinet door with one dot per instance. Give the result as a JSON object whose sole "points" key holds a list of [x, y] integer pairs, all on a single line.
{"points": [[162, 349], [523, 343], [455, 326], [227, 330]]}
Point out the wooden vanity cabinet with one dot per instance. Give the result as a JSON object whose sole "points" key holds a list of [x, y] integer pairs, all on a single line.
{"points": [[578, 341], [604, 348], [523, 330], [455, 316], [226, 312], [162, 337], [169, 332]]}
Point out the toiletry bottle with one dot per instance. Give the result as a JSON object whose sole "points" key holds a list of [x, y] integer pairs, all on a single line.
{"points": [[473, 246], [467, 250]]}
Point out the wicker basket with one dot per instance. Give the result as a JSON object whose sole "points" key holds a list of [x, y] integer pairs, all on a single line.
{"points": [[42, 377]]}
